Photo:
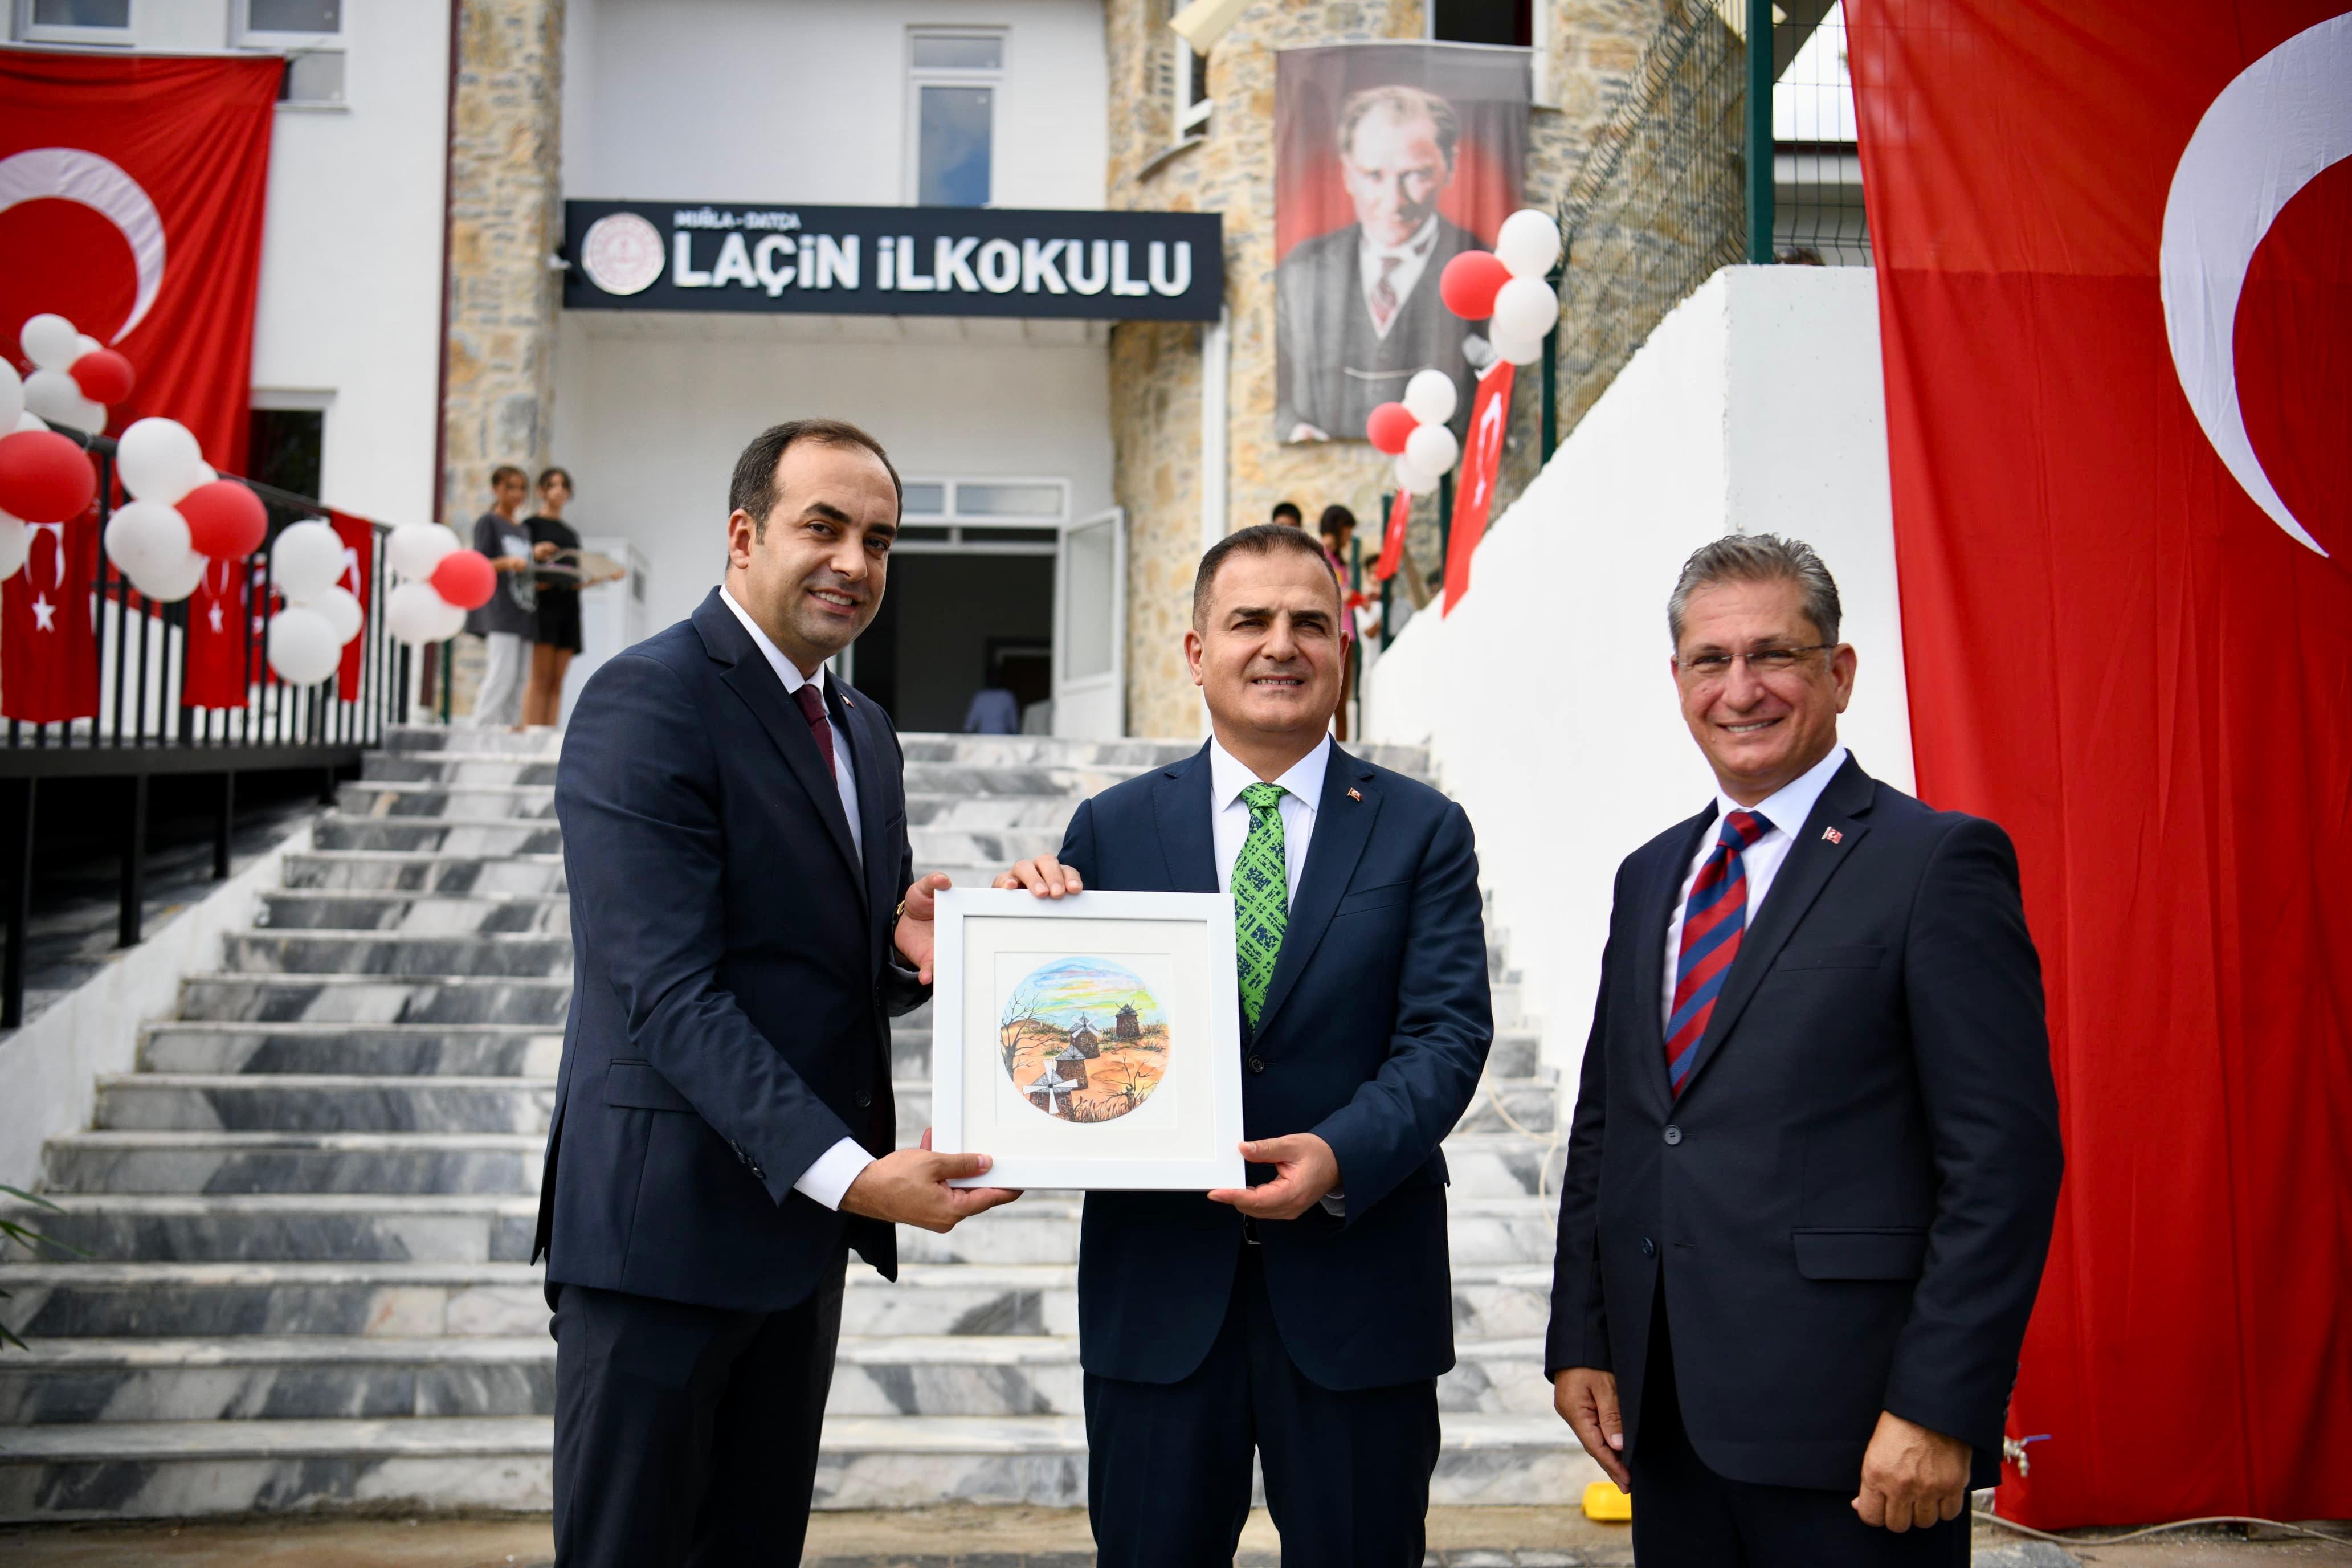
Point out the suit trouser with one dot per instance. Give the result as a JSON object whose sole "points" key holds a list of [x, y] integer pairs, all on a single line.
{"points": [[1168, 1478], [1687, 1516], [688, 1434], [506, 668]]}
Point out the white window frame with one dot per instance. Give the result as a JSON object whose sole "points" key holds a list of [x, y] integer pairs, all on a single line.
{"points": [[1189, 116], [244, 35], [969, 532], [31, 32], [921, 77]]}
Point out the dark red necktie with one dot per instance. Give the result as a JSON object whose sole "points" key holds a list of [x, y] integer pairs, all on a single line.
{"points": [[812, 701]]}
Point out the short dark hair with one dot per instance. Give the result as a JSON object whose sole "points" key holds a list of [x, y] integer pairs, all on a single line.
{"points": [[553, 473], [500, 473], [1289, 509], [753, 490], [1334, 519], [1258, 539]]}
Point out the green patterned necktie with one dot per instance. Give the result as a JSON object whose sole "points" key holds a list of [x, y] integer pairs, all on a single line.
{"points": [[1261, 885]]}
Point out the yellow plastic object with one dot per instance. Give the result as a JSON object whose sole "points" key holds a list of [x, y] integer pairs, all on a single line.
{"points": [[1604, 1502]]}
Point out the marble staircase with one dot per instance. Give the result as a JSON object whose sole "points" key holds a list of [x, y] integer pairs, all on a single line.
{"points": [[306, 1218]]}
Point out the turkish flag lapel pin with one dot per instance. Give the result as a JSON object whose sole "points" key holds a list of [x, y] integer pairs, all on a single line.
{"points": [[1356, 795], [1833, 835]]}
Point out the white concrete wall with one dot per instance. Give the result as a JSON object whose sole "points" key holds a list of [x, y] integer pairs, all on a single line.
{"points": [[650, 413], [805, 101], [1757, 406]]}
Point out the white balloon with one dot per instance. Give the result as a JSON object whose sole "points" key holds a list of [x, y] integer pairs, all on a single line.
{"points": [[1413, 480], [416, 614], [342, 613], [158, 460], [1525, 308], [50, 341], [303, 645], [53, 395], [87, 417], [28, 420], [12, 393], [1527, 243], [172, 581], [1432, 449], [414, 548], [144, 536], [1431, 396], [16, 543], [85, 344], [306, 560], [1520, 351]]}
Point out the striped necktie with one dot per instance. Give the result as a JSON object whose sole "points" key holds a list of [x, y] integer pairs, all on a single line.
{"points": [[1713, 921]]}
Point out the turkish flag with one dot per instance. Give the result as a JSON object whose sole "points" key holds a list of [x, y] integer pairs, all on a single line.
{"points": [[358, 535], [1393, 539], [131, 200], [1482, 460], [48, 645], [223, 655], [2113, 244]]}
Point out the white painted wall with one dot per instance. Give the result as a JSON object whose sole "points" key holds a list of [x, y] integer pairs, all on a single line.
{"points": [[651, 411], [1757, 406], [805, 101]]}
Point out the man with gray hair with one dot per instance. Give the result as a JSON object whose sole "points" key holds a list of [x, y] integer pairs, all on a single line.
{"points": [[1357, 310], [1814, 1159]]}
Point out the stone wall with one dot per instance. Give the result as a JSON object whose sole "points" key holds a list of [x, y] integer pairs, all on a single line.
{"points": [[505, 222], [1593, 48]]}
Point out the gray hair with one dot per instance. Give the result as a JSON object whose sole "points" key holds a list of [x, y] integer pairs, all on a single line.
{"points": [[1404, 103], [1757, 558]]}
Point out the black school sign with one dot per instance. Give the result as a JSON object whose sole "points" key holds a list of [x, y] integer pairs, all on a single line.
{"points": [[893, 261]]}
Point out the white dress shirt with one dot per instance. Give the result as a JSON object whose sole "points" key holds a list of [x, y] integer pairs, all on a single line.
{"points": [[1786, 809], [1412, 260], [828, 1179], [1229, 815]]}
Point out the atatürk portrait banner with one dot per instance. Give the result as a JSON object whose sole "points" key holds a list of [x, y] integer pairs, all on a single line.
{"points": [[1391, 159]]}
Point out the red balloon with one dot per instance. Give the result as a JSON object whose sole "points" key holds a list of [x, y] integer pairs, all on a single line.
{"points": [[44, 476], [1470, 282], [464, 578], [1388, 428], [103, 376], [225, 519]]}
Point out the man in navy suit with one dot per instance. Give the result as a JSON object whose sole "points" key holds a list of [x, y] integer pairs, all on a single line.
{"points": [[1814, 1161], [1307, 1315], [745, 921]]}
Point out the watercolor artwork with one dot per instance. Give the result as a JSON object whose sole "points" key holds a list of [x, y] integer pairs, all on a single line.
{"points": [[1083, 1039]]}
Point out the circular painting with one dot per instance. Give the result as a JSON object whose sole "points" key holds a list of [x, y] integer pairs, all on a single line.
{"points": [[1082, 1039]]}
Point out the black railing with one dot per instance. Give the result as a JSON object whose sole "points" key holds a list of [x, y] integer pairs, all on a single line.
{"points": [[142, 727]]}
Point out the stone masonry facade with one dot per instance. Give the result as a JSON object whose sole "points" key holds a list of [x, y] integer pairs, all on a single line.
{"points": [[505, 222], [1592, 47]]}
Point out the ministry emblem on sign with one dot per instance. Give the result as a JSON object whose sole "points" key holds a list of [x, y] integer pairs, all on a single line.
{"points": [[622, 254]]}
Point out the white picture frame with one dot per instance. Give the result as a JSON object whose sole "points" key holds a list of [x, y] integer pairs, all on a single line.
{"points": [[1156, 1105]]}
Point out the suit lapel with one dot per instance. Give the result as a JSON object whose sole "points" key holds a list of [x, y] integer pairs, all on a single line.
{"points": [[750, 679], [1343, 825], [1180, 804], [865, 768], [1657, 914], [1812, 859]]}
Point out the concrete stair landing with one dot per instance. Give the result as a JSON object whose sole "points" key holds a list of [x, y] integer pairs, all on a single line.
{"points": [[308, 1215]]}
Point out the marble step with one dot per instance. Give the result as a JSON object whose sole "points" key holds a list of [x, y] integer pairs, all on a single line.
{"points": [[426, 871], [454, 1227], [458, 739], [1507, 1105], [526, 955], [291, 1102], [148, 1469], [992, 812], [294, 1162], [981, 850], [415, 914], [373, 999], [1506, 1164], [456, 768], [462, 1050], [448, 836], [376, 799]]}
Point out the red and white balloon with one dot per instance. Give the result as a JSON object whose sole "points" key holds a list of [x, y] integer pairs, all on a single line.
{"points": [[306, 638], [1415, 432], [150, 539], [1506, 288], [439, 582], [75, 377]]}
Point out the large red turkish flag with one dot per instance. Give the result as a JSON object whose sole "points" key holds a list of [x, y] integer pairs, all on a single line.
{"points": [[2123, 517], [131, 200]]}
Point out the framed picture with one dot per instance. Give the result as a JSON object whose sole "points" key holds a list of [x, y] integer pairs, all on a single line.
{"points": [[1088, 1042]]}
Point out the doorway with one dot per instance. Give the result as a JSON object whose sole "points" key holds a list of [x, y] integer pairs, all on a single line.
{"points": [[954, 622]]}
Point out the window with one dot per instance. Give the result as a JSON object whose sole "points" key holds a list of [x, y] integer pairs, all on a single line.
{"points": [[74, 21], [1192, 102], [953, 78], [310, 35], [1508, 22]]}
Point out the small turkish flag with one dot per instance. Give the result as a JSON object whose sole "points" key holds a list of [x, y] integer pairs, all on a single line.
{"points": [[221, 660], [1482, 460], [48, 646], [358, 535]]}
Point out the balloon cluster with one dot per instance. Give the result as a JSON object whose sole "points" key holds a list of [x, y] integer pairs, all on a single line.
{"points": [[1505, 286], [306, 637], [44, 476], [75, 377], [1415, 433], [181, 512], [439, 582]]}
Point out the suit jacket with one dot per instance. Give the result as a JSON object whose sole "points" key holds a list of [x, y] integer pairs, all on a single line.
{"points": [[1373, 1034], [1849, 1204], [732, 977], [1331, 369]]}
